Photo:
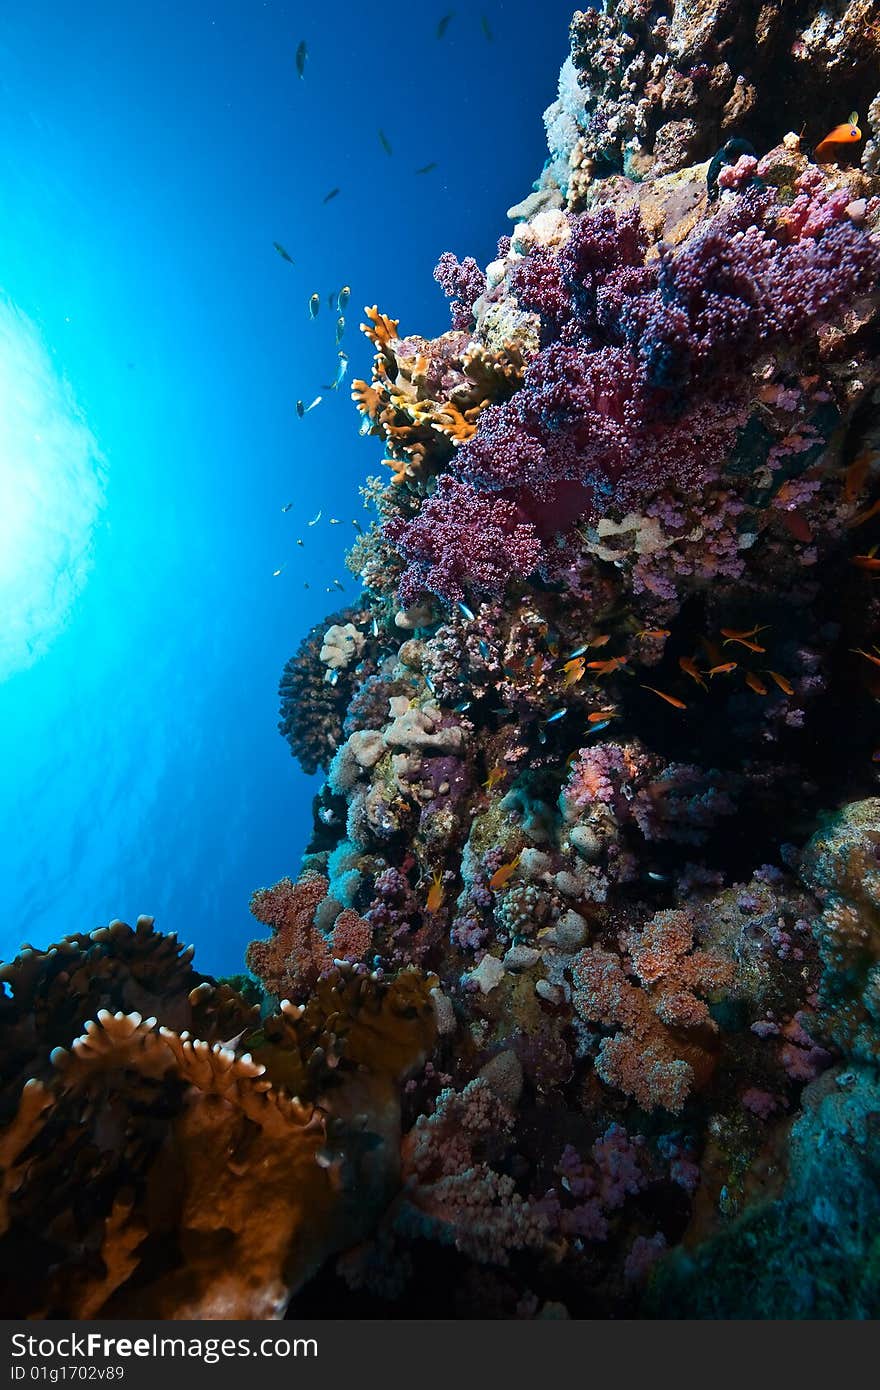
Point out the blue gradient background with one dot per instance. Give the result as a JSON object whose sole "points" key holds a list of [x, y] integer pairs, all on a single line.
{"points": [[149, 156]]}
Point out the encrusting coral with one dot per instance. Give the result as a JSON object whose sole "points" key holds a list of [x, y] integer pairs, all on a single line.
{"points": [[579, 976]]}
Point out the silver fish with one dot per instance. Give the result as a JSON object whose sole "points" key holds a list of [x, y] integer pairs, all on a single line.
{"points": [[340, 329], [343, 298], [315, 519], [302, 54], [314, 306]]}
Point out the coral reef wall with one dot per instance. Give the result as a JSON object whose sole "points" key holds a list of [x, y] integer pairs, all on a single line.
{"points": [[580, 968]]}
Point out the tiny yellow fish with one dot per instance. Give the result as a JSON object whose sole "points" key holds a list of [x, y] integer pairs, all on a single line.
{"points": [[496, 774], [574, 670]]}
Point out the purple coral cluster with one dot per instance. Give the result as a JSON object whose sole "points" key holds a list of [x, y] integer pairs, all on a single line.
{"points": [[643, 378]]}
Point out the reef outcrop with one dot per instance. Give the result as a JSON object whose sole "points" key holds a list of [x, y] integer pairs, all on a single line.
{"points": [[588, 929]]}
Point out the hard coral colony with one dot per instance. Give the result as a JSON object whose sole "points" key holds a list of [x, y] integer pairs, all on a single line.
{"points": [[575, 982]]}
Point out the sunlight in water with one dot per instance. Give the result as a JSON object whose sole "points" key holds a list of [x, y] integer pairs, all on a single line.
{"points": [[51, 493]]}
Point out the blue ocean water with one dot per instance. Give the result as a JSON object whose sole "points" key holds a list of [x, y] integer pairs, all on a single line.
{"points": [[153, 346]]}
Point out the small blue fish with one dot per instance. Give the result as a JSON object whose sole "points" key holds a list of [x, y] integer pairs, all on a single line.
{"points": [[287, 507], [465, 612], [597, 728], [657, 878], [462, 706], [485, 653], [302, 54], [429, 683], [375, 627], [557, 714], [584, 647]]}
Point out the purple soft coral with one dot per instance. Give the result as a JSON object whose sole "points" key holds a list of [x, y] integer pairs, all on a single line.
{"points": [[462, 282], [462, 537]]}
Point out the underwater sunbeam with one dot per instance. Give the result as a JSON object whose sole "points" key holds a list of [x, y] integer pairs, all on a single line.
{"points": [[51, 493]]}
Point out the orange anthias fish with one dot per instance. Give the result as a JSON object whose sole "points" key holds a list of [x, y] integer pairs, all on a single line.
{"points": [[654, 632], [605, 668], [867, 655], [722, 670], [600, 714], [496, 774], [689, 666], [601, 641], [503, 874], [838, 138], [745, 642], [436, 894], [670, 699], [735, 635], [755, 683], [784, 685], [573, 671], [870, 562]]}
